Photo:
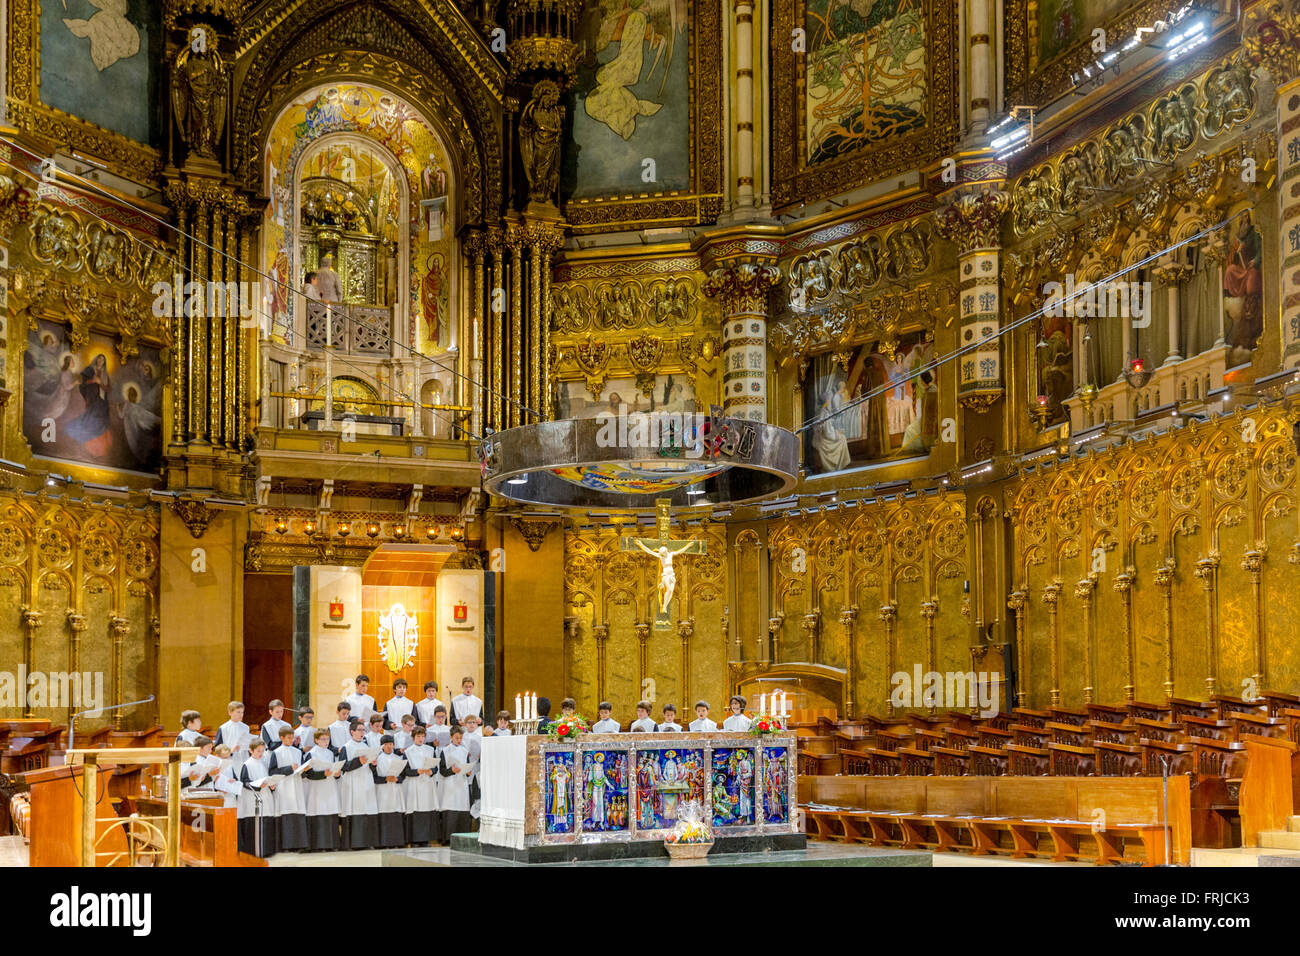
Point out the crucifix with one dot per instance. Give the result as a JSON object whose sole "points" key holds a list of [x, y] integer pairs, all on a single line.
{"points": [[663, 549]]}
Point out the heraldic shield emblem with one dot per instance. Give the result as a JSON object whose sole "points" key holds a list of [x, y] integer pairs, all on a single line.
{"points": [[399, 636], [460, 612]]}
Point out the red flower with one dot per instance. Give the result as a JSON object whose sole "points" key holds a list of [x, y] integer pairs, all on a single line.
{"points": [[564, 730]]}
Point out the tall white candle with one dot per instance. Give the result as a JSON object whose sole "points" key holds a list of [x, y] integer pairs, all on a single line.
{"points": [[532, 707], [762, 705], [519, 708]]}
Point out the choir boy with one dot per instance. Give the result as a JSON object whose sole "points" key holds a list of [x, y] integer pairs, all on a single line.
{"points": [[399, 705], [606, 724], [321, 794], [234, 734], [341, 729], [439, 730], [424, 709], [271, 726], [363, 705], [644, 723], [737, 720], [226, 783], [202, 772], [256, 800], [457, 771], [290, 803], [502, 729], [376, 732], [357, 806], [389, 771], [568, 707], [669, 724], [420, 792], [465, 703], [402, 738], [305, 734], [701, 723], [191, 724]]}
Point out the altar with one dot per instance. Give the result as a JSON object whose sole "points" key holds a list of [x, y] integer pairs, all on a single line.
{"points": [[629, 789]]}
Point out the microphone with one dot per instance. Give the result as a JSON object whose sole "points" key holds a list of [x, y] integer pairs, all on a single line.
{"points": [[72, 721]]}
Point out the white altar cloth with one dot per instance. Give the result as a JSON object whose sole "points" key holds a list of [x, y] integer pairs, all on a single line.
{"points": [[501, 782]]}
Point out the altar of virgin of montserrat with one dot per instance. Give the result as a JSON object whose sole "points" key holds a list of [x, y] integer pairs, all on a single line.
{"points": [[1025, 284]]}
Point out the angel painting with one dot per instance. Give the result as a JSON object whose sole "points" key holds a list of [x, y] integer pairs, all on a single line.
{"points": [[631, 42], [112, 36]]}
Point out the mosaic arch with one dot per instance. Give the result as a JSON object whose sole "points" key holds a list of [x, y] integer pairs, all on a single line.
{"points": [[395, 125]]}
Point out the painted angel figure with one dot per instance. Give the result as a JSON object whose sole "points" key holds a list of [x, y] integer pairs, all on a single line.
{"points": [[112, 36], [667, 576]]}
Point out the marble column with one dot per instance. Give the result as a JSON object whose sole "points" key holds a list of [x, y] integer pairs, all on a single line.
{"points": [[744, 103], [981, 69], [972, 220], [743, 289]]}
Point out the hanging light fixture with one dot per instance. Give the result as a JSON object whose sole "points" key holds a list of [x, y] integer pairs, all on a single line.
{"points": [[372, 530]]}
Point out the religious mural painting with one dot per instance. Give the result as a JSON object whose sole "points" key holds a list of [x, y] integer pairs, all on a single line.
{"points": [[776, 784], [876, 402], [866, 74], [867, 89], [99, 61], [559, 792], [666, 780], [632, 100], [1063, 23], [605, 784], [354, 184], [1243, 288], [733, 787], [85, 405]]}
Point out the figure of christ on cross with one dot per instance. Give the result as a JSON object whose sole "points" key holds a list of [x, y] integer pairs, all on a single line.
{"points": [[663, 549]]}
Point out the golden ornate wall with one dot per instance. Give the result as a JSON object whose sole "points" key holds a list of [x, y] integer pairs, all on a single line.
{"points": [[79, 593], [612, 651], [1164, 567]]}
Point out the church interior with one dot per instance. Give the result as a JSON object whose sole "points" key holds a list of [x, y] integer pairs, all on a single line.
{"points": [[886, 408]]}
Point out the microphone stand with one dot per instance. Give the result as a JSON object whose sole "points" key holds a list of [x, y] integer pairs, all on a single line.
{"points": [[72, 721]]}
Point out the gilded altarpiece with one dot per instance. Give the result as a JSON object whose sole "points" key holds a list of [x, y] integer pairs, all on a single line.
{"points": [[612, 650], [79, 595], [1162, 568]]}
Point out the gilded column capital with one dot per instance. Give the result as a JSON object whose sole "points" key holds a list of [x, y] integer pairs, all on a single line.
{"points": [[1205, 569], [1017, 600], [642, 632], [119, 627], [973, 220], [888, 613], [1085, 587], [31, 617], [811, 620], [929, 609], [685, 629], [742, 286], [1052, 594], [774, 623], [77, 621], [1252, 561], [1124, 580], [848, 615], [600, 632], [1164, 575]]}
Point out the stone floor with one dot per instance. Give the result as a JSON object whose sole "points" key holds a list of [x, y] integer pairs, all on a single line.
{"points": [[816, 854], [13, 851]]}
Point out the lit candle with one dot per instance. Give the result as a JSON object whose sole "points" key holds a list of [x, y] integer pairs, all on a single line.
{"points": [[532, 708], [762, 705], [518, 707]]}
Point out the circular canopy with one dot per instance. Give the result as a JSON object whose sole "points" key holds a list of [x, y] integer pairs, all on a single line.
{"points": [[628, 462]]}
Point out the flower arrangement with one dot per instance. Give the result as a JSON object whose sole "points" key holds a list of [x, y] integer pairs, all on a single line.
{"points": [[766, 724], [692, 827], [567, 729]]}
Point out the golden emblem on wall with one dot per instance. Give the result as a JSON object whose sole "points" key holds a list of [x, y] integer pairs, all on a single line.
{"points": [[399, 636]]}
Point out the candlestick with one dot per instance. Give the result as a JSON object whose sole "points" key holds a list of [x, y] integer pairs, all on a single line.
{"points": [[329, 327]]}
